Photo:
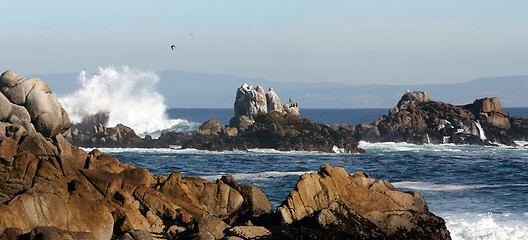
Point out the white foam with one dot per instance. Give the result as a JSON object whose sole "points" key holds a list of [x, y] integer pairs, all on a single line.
{"points": [[487, 226], [127, 95], [428, 186]]}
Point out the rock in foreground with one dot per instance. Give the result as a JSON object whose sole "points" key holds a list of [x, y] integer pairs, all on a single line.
{"points": [[332, 204]]}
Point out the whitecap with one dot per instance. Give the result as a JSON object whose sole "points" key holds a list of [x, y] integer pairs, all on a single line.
{"points": [[428, 186], [487, 226]]}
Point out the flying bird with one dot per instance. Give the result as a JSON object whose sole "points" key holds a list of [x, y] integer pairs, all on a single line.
{"points": [[172, 47]]}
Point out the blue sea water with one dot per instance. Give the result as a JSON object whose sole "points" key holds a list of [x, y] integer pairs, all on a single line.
{"points": [[481, 192]]}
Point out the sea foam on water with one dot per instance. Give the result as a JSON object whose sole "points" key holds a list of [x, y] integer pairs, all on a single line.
{"points": [[127, 95]]}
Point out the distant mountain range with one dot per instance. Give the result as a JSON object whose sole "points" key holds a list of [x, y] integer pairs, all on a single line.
{"points": [[198, 90]]}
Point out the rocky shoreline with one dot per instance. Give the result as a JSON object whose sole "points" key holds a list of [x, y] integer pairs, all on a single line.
{"points": [[261, 122], [51, 189]]}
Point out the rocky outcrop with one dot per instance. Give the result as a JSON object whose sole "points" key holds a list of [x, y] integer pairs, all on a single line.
{"points": [[250, 101], [31, 104], [276, 130], [356, 206], [418, 119], [92, 132], [261, 122]]}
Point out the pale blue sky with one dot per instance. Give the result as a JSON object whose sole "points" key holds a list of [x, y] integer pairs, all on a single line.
{"points": [[359, 42]]}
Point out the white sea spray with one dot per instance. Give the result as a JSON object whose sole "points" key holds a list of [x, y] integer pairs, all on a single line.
{"points": [[127, 95]]}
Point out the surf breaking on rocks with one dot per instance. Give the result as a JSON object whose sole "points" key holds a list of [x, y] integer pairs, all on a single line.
{"points": [[127, 95]]}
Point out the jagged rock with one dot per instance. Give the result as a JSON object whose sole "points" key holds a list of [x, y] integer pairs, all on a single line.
{"points": [[395, 213], [283, 132], [417, 119], [213, 225], [412, 98], [249, 232], [273, 101], [250, 101], [291, 108]]}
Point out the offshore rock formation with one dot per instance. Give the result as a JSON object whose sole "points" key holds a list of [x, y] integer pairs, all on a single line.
{"points": [[418, 119], [275, 130], [92, 132], [251, 101], [261, 122]]}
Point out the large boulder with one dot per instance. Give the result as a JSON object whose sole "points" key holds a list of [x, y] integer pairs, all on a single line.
{"points": [[42, 109], [332, 192], [250, 101]]}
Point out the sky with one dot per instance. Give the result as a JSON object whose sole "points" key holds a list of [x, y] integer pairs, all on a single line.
{"points": [[355, 42]]}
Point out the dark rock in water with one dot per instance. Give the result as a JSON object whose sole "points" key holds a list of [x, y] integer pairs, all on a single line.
{"points": [[258, 125], [98, 135], [417, 119], [284, 132]]}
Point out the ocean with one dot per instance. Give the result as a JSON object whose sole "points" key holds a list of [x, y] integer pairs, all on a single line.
{"points": [[481, 192]]}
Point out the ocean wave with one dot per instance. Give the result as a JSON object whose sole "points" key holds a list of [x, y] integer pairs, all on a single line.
{"points": [[128, 96], [388, 147], [178, 150], [428, 186], [504, 226]]}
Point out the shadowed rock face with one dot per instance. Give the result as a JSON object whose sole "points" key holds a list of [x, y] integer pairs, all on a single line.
{"points": [[279, 131], [417, 119]]}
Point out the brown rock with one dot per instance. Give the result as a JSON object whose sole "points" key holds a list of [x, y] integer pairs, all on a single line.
{"points": [[45, 233], [11, 234], [137, 176], [212, 126], [8, 146], [86, 215], [392, 211], [213, 225], [249, 232], [38, 145], [34, 208], [130, 218]]}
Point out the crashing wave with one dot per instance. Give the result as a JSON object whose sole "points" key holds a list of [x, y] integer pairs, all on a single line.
{"points": [[128, 96]]}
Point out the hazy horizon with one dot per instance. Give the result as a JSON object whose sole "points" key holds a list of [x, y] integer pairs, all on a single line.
{"points": [[352, 42]]}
